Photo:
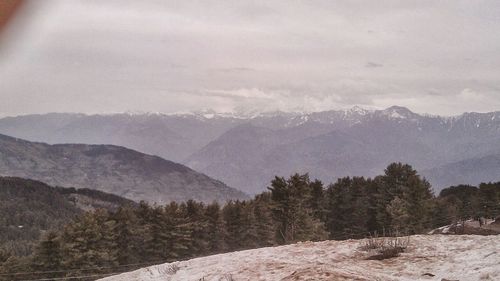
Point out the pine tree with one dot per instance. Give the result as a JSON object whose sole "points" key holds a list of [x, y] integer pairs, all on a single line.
{"points": [[240, 225], [88, 242], [317, 200], [249, 234], [179, 227], [360, 207], [348, 208], [215, 229], [13, 265], [418, 198], [398, 210], [371, 192], [198, 223], [158, 235], [415, 195], [126, 236], [337, 216], [444, 211], [490, 200], [143, 213], [265, 224], [291, 209], [4, 254], [48, 254]]}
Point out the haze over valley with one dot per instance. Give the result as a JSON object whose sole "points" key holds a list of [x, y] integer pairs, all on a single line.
{"points": [[246, 152]]}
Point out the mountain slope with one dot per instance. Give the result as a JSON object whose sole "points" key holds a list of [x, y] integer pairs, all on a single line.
{"points": [[428, 257], [112, 169], [170, 137], [28, 207], [247, 151], [243, 153], [470, 171], [358, 148]]}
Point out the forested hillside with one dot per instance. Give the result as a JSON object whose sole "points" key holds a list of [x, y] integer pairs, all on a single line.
{"points": [[293, 209], [30, 208], [113, 169]]}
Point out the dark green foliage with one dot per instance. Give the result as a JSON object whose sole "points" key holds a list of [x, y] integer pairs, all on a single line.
{"points": [[126, 235], [465, 202], [28, 208], [88, 242], [240, 225], [489, 200], [348, 205], [264, 223], [294, 209], [403, 199], [317, 200], [10, 268], [291, 205], [215, 229], [464, 199], [167, 233], [196, 224], [48, 253]]}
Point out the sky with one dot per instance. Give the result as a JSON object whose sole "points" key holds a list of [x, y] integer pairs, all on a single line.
{"points": [[104, 56]]}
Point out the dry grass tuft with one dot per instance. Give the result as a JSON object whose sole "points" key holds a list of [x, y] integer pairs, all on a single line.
{"points": [[385, 247]]}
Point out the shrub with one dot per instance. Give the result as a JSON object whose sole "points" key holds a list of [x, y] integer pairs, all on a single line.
{"points": [[385, 247]]}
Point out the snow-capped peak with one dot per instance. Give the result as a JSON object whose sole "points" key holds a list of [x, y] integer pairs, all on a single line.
{"points": [[357, 110], [398, 112]]}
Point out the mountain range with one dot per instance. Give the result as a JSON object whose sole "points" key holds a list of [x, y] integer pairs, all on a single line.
{"points": [[111, 169], [247, 152]]}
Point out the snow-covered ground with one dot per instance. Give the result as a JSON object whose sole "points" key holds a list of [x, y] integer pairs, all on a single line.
{"points": [[429, 257], [489, 226]]}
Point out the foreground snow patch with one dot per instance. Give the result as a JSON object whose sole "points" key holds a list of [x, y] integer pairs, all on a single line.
{"points": [[429, 257], [490, 227]]}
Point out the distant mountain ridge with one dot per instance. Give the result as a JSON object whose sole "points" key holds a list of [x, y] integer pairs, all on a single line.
{"points": [[111, 169], [246, 151], [354, 142], [469, 171]]}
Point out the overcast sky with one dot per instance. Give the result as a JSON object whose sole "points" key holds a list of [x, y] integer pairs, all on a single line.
{"points": [[439, 57]]}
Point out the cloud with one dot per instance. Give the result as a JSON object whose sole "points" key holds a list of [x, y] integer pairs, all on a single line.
{"points": [[252, 100], [108, 56], [234, 69], [469, 95], [434, 92], [373, 64]]}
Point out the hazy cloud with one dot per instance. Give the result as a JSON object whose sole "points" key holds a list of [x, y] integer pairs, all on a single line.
{"points": [[235, 69], [94, 56], [470, 95], [373, 64]]}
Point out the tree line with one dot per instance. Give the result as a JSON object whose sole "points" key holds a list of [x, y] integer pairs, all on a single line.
{"points": [[293, 209], [27, 207]]}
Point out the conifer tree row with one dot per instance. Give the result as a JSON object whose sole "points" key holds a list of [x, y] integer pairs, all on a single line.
{"points": [[293, 209]]}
